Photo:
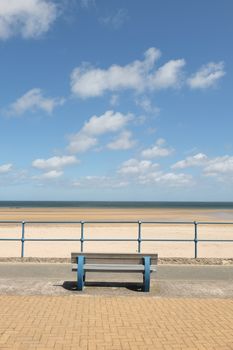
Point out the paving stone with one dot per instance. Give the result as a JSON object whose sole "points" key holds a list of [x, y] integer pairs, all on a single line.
{"points": [[124, 322]]}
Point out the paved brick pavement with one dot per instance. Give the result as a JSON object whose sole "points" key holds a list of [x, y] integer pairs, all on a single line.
{"points": [[111, 323]]}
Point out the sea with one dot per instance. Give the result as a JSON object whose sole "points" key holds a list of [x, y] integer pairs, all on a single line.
{"points": [[116, 204]]}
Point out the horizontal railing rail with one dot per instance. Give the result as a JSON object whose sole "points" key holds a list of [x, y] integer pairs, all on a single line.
{"points": [[139, 238]]}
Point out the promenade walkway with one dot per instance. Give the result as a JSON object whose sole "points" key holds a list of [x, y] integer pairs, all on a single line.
{"points": [[94, 322], [188, 308]]}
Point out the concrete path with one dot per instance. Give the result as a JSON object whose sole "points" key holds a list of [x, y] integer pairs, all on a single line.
{"points": [[169, 281], [165, 272]]}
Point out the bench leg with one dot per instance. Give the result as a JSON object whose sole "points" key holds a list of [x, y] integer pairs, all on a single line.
{"points": [[146, 274], [80, 272]]}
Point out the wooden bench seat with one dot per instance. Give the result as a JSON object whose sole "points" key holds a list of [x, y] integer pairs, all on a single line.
{"points": [[111, 262]]}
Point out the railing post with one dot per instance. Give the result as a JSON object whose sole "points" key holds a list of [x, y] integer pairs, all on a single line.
{"points": [[22, 239], [195, 239], [139, 236], [82, 235]]}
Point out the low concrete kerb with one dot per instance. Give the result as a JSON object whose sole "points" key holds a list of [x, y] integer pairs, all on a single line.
{"points": [[161, 261]]}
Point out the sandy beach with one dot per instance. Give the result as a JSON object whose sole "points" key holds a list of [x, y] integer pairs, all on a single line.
{"points": [[116, 231]]}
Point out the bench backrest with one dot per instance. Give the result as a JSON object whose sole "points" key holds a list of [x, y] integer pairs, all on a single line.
{"points": [[112, 258]]}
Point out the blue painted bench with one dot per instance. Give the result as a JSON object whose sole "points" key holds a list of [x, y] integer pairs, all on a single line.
{"points": [[111, 262]]}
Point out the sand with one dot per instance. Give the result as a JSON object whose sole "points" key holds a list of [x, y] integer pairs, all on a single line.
{"points": [[116, 231]]}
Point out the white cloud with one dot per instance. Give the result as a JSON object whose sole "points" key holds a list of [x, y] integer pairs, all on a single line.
{"points": [[136, 167], [33, 100], [81, 142], [198, 159], [169, 75], [144, 172], [87, 81], [116, 20], [134, 171], [99, 182], [87, 3], [176, 179], [157, 151], [169, 179], [220, 166], [109, 122], [50, 175], [54, 162], [146, 105], [124, 141], [207, 76], [5, 168], [11, 176], [26, 18]]}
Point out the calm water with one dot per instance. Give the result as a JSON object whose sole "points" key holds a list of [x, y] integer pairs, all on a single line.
{"points": [[108, 204]]}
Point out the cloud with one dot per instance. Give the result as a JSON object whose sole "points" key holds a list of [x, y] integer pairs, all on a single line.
{"points": [[135, 172], [144, 172], [207, 76], [26, 18], [87, 81], [169, 179], [109, 122], [146, 105], [135, 167], [169, 75], [81, 143], [157, 151], [196, 160], [32, 101], [54, 162], [124, 141], [50, 175], [5, 168], [99, 182], [11, 176], [220, 166], [117, 20], [87, 3]]}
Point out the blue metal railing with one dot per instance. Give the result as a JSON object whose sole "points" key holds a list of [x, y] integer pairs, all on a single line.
{"points": [[139, 238]]}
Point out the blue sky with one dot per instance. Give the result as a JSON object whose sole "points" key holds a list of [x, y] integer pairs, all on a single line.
{"points": [[116, 100]]}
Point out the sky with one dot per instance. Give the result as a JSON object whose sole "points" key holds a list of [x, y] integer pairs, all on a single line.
{"points": [[116, 100]]}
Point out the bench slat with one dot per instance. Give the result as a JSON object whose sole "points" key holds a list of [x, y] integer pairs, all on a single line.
{"points": [[120, 258], [114, 268]]}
